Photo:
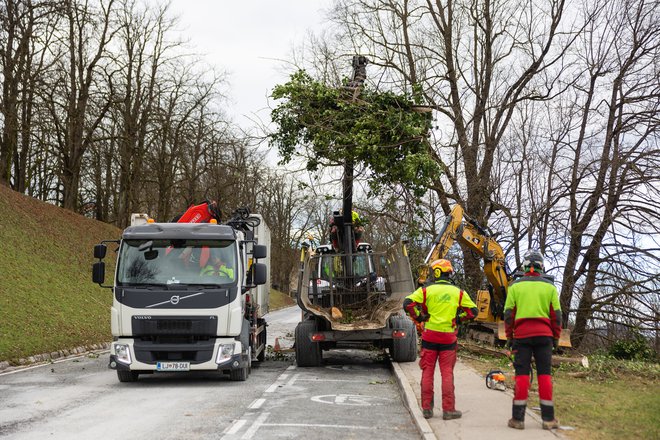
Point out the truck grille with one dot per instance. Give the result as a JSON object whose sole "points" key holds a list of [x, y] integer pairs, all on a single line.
{"points": [[196, 326]]}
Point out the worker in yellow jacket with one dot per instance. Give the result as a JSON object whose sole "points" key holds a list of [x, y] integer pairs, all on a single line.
{"points": [[439, 306]]}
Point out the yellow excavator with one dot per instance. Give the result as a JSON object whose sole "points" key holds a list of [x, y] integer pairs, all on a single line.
{"points": [[488, 326]]}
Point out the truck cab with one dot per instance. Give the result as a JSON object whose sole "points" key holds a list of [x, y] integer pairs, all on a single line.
{"points": [[186, 297]]}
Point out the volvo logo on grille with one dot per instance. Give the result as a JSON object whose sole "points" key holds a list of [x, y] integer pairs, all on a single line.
{"points": [[175, 299]]}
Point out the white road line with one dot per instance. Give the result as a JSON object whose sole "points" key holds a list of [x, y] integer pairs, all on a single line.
{"points": [[235, 427], [312, 425], [291, 367], [278, 382], [257, 404], [272, 388], [293, 379], [252, 430], [20, 369], [330, 380]]}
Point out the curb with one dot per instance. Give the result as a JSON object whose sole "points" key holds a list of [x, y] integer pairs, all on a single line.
{"points": [[410, 401], [39, 359]]}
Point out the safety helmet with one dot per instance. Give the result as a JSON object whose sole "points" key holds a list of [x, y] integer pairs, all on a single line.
{"points": [[440, 267], [533, 259]]}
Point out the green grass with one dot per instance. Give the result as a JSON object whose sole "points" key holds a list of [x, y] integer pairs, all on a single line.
{"points": [[47, 299], [279, 300], [616, 399]]}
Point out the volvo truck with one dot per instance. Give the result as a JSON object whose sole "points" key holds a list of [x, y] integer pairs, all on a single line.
{"points": [[188, 296]]}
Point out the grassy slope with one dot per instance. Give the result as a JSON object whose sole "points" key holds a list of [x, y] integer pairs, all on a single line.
{"points": [[619, 406], [47, 299], [279, 300]]}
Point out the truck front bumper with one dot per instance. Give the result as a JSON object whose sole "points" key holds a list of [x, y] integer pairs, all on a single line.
{"points": [[235, 361]]}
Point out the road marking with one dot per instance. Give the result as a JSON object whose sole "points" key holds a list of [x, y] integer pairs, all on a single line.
{"points": [[291, 367], [272, 388], [293, 379], [278, 382], [332, 380], [350, 399], [257, 404], [312, 425], [252, 430], [235, 427], [51, 362]]}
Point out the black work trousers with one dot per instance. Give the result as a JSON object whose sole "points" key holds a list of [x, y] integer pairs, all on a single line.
{"points": [[538, 346]]}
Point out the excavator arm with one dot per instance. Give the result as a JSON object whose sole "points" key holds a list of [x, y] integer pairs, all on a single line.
{"points": [[459, 227], [442, 242]]}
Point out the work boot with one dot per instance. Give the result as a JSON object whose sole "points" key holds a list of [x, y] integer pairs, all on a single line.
{"points": [[550, 424], [450, 415], [428, 413], [516, 424]]}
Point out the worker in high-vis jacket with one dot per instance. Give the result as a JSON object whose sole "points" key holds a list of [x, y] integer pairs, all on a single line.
{"points": [[532, 318], [439, 306]]}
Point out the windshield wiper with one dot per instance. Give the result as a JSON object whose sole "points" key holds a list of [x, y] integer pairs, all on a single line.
{"points": [[200, 286]]}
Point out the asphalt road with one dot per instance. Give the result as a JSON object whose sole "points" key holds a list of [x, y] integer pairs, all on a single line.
{"points": [[352, 395]]}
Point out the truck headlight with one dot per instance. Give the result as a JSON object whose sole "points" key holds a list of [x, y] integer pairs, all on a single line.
{"points": [[225, 352], [123, 353]]}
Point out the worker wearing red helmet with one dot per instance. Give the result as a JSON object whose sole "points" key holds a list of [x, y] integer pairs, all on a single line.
{"points": [[439, 305], [532, 318]]}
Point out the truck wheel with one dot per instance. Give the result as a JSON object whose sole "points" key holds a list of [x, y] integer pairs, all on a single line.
{"points": [[308, 353], [240, 374], [127, 376], [404, 350]]}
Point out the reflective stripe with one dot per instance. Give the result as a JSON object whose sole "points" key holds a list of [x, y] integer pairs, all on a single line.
{"points": [[520, 402], [547, 403]]}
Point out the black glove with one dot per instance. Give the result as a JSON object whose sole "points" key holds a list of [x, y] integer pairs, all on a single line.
{"points": [[509, 344], [555, 344], [423, 317]]}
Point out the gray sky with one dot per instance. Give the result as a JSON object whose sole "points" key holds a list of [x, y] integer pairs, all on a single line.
{"points": [[248, 39]]}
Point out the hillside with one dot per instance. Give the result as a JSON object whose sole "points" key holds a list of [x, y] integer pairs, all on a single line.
{"points": [[47, 299]]}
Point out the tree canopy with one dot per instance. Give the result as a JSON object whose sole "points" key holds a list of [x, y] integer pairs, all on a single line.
{"points": [[380, 131]]}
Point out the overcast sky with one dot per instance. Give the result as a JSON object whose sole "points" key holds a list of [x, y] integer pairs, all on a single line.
{"points": [[249, 39]]}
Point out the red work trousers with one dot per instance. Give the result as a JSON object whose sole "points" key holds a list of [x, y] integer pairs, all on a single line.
{"points": [[427, 362]]}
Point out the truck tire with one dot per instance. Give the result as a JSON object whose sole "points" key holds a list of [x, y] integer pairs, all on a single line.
{"points": [[308, 353], [404, 350], [127, 376], [240, 374]]}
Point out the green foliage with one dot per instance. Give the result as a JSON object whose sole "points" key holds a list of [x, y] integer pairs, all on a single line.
{"points": [[379, 130], [634, 347]]}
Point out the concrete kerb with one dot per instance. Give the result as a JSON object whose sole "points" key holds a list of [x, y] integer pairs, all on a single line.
{"points": [[410, 401], [45, 358]]}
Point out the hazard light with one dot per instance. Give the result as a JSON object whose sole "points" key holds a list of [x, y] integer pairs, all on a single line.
{"points": [[398, 334], [318, 337]]}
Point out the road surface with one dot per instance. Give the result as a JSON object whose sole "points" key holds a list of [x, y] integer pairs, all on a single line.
{"points": [[352, 395]]}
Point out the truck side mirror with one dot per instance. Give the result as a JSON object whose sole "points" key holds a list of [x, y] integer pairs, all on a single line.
{"points": [[98, 270], [99, 251], [259, 251], [258, 274]]}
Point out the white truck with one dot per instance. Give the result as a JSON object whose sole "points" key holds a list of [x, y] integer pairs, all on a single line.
{"points": [[175, 310]]}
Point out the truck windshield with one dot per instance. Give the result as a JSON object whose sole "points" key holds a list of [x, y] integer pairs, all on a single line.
{"points": [[163, 262]]}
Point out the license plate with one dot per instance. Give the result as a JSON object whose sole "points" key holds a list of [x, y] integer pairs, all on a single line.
{"points": [[173, 366]]}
